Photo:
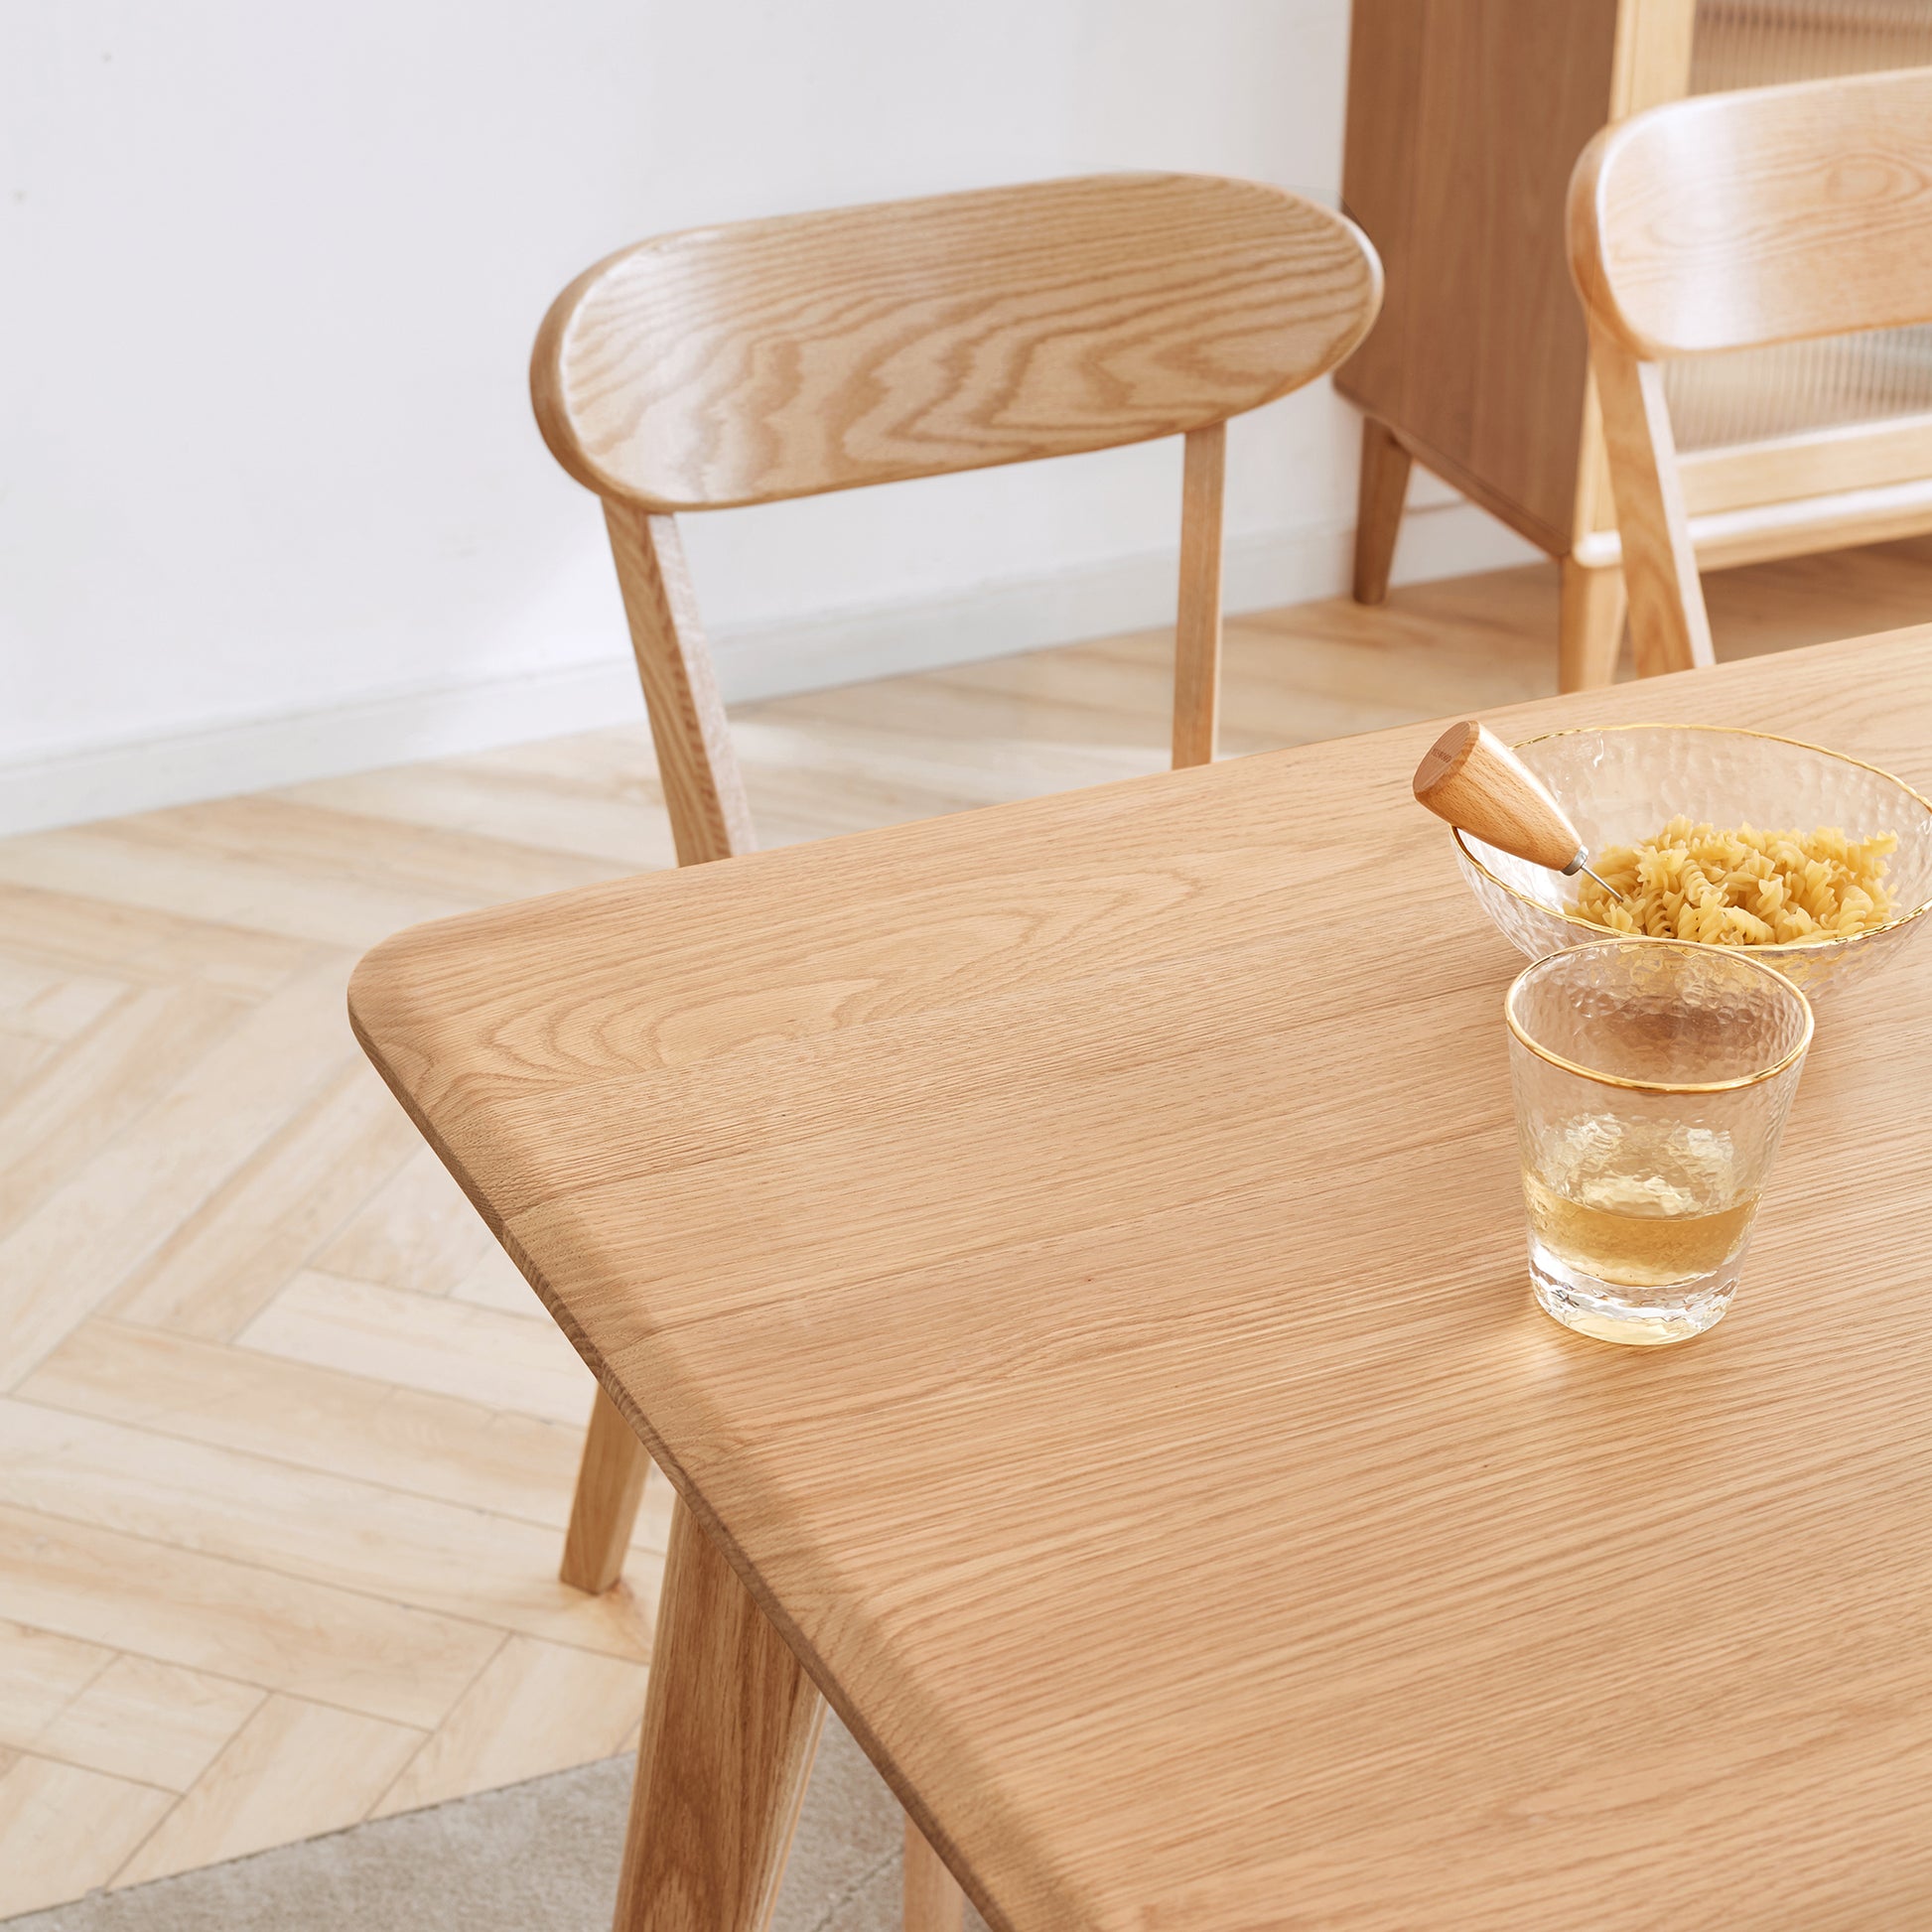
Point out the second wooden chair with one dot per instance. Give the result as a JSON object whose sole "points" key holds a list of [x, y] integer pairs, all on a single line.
{"points": [[1740, 221]]}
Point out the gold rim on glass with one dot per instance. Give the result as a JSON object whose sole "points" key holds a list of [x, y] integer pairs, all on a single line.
{"points": [[1737, 953], [1783, 948]]}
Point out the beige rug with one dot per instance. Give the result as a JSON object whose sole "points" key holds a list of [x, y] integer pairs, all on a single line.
{"points": [[540, 1856]]}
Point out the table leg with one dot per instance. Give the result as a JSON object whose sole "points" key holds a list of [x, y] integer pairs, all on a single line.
{"points": [[933, 1900], [603, 1511], [731, 1723]]}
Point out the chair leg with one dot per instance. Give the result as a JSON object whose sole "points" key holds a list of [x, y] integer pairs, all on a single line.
{"points": [[710, 819], [1379, 501], [603, 1511], [1198, 628], [1589, 627], [933, 1900], [703, 792], [1670, 629], [731, 1723]]}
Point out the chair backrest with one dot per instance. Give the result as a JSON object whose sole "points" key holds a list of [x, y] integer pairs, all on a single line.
{"points": [[1728, 221], [815, 353], [1771, 216]]}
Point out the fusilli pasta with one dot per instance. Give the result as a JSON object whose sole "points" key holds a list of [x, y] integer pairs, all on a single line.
{"points": [[1742, 887]]}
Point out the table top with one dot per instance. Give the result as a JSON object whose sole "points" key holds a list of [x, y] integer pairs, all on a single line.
{"points": [[1071, 1256]]}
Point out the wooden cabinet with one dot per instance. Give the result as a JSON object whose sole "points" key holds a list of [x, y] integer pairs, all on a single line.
{"points": [[1464, 118]]}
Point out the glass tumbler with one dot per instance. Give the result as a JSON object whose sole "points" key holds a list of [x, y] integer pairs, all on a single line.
{"points": [[1652, 1080]]}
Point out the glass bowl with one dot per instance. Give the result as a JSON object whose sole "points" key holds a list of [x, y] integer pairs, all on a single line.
{"points": [[1624, 784]]}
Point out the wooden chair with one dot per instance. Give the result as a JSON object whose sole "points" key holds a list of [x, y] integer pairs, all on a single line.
{"points": [[1738, 221], [789, 357]]}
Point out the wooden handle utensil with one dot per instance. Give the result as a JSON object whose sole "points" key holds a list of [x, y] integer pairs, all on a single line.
{"points": [[1472, 778]]}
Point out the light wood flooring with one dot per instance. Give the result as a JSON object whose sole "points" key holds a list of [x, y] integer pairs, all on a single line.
{"points": [[286, 1445]]}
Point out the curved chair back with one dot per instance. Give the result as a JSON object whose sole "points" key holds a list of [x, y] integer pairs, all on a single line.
{"points": [[815, 353], [1740, 220]]}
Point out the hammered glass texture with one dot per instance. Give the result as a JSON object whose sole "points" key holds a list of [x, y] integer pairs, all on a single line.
{"points": [[1749, 394], [1766, 43], [1666, 1013], [1619, 788], [1658, 1011], [1642, 1010]]}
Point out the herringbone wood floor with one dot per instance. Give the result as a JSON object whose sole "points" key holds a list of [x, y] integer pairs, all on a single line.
{"points": [[286, 1445]]}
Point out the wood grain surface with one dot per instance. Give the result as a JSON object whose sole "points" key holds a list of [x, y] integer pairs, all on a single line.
{"points": [[932, 1900], [1771, 216], [1070, 1257], [1465, 119], [1471, 780], [233, 1239], [825, 351], [1809, 463], [822, 351], [603, 1511], [1198, 628], [1381, 493], [1654, 44], [244, 1245], [1670, 629], [737, 1775], [704, 796], [1589, 629]]}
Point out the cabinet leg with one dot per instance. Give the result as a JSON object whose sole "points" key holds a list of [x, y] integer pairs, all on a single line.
{"points": [[603, 1511], [1378, 511], [1589, 627], [731, 1723], [933, 1900]]}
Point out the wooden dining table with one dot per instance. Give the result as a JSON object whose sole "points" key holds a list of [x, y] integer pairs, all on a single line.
{"points": [[1070, 1259]]}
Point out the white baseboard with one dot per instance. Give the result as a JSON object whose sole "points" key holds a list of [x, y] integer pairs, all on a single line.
{"points": [[107, 779]]}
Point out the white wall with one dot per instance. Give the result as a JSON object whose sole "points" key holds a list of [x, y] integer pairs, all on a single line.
{"points": [[271, 502]]}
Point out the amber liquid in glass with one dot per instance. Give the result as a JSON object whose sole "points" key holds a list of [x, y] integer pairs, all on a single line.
{"points": [[1636, 1203]]}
